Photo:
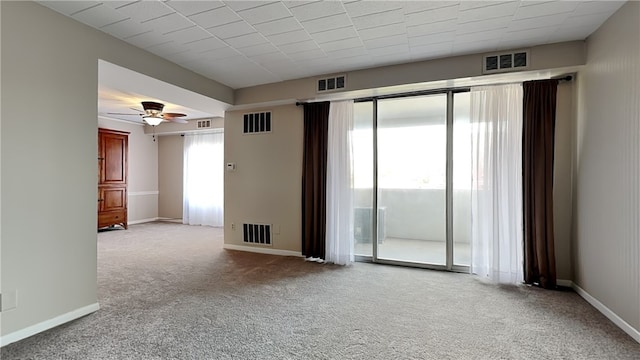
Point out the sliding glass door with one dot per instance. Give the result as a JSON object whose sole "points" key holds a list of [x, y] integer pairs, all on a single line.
{"points": [[404, 155], [412, 149]]}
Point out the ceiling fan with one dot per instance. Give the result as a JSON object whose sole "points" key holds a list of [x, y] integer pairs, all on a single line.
{"points": [[153, 114]]}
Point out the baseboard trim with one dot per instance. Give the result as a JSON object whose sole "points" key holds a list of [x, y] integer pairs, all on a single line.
{"points": [[142, 221], [262, 250], [566, 283], [166, 219], [635, 334], [48, 324]]}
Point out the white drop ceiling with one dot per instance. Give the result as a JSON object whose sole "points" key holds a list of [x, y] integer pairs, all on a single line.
{"points": [[246, 43]]}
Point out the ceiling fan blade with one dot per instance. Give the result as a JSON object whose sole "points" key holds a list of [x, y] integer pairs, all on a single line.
{"points": [[176, 120], [138, 110], [172, 115], [128, 114]]}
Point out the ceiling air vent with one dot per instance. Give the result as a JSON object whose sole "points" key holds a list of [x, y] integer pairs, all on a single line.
{"points": [[332, 83], [511, 61], [256, 123], [204, 124]]}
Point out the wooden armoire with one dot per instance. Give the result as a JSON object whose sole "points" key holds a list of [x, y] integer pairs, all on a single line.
{"points": [[112, 177]]}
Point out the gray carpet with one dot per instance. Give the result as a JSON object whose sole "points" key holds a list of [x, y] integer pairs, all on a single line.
{"points": [[169, 291]]}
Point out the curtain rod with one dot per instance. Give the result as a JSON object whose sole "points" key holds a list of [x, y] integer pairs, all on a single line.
{"points": [[566, 77]]}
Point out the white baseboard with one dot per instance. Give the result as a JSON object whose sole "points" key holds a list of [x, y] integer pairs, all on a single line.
{"points": [[634, 333], [48, 324], [262, 250], [142, 221], [165, 219]]}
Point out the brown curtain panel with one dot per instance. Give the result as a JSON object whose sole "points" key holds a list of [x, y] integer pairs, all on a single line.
{"points": [[539, 121], [314, 179]]}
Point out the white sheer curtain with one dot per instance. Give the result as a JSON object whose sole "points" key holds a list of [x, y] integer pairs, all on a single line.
{"points": [[496, 190], [203, 179], [339, 237]]}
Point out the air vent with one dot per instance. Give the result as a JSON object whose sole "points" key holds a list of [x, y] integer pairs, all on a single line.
{"points": [[257, 123], [332, 83], [512, 61], [204, 124], [257, 234]]}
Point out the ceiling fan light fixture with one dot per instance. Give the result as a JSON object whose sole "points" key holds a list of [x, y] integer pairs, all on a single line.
{"points": [[153, 120], [152, 108]]}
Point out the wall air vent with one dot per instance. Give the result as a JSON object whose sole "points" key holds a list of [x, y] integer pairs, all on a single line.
{"points": [[505, 62], [257, 123], [204, 124], [256, 234], [332, 83]]}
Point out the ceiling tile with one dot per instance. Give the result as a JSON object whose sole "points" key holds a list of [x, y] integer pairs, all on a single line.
{"points": [[593, 21], [335, 34], [375, 20], [430, 16], [308, 54], [538, 22], [387, 50], [527, 11], [239, 5], [432, 39], [382, 31], [418, 6], [483, 25], [428, 29], [386, 41], [278, 26], [361, 8], [341, 44], [467, 5], [231, 30], [265, 13], [259, 49], [210, 43], [597, 7], [289, 37], [246, 40], [216, 17], [221, 53], [169, 23], [145, 10], [299, 46], [488, 12], [479, 36], [315, 10], [126, 28], [168, 48], [188, 35], [346, 53], [99, 16], [189, 8], [69, 7], [270, 57], [327, 23], [147, 39], [388, 59]]}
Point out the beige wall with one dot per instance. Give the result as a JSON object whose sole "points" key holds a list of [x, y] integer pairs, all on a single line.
{"points": [[607, 168], [266, 186], [170, 176], [142, 177], [567, 54], [48, 162]]}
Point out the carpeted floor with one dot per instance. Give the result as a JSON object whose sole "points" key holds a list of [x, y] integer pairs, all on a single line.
{"points": [[169, 291]]}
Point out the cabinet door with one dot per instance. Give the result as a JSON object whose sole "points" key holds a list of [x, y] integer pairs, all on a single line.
{"points": [[112, 198], [113, 159]]}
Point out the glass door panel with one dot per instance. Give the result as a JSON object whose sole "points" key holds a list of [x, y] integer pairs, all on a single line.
{"points": [[362, 144], [461, 179], [412, 153]]}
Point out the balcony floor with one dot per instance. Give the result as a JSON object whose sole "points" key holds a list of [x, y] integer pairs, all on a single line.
{"points": [[419, 251]]}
